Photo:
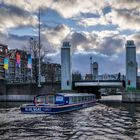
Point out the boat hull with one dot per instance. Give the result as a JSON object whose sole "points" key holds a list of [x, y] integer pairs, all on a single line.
{"points": [[41, 109]]}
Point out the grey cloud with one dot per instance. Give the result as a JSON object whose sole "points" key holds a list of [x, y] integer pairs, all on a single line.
{"points": [[55, 36], [73, 8], [124, 19], [136, 38], [111, 45], [78, 38], [14, 10], [21, 42], [129, 15], [14, 41], [86, 42], [107, 45], [13, 17], [125, 3]]}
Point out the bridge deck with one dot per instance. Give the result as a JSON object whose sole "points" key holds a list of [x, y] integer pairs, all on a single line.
{"points": [[99, 84]]}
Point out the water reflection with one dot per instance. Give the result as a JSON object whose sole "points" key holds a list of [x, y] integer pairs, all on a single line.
{"points": [[102, 121]]}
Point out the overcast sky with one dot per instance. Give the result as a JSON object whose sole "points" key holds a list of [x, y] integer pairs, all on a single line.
{"points": [[97, 28]]}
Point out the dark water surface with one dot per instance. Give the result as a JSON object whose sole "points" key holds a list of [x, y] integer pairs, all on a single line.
{"points": [[104, 121]]}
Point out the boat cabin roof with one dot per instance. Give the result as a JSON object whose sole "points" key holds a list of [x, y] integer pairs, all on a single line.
{"points": [[74, 94], [68, 94]]}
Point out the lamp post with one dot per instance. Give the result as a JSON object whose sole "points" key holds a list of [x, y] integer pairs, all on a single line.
{"points": [[31, 46], [91, 69], [39, 46]]}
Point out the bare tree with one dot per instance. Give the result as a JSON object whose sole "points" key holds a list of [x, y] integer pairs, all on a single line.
{"points": [[33, 49], [76, 76]]}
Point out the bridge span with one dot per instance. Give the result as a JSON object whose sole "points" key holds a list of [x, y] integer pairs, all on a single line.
{"points": [[94, 86], [100, 83]]}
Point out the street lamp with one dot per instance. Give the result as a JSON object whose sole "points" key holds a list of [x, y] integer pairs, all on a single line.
{"points": [[31, 46], [39, 47]]}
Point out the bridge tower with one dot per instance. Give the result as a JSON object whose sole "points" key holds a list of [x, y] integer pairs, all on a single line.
{"points": [[95, 70], [66, 73], [131, 65]]}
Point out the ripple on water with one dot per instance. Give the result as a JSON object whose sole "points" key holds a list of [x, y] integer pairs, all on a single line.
{"points": [[101, 122]]}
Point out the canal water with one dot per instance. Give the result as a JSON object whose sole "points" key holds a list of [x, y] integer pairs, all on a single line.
{"points": [[104, 121]]}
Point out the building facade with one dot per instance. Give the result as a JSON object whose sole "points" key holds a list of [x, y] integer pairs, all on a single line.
{"points": [[3, 52], [18, 69], [18, 72]]}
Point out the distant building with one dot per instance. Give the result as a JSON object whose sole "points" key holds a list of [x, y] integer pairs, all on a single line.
{"points": [[88, 77], [18, 72], [51, 72], [95, 70], [131, 65], [3, 52], [76, 76]]}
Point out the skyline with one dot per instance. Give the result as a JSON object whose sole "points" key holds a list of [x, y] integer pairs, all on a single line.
{"points": [[93, 29]]}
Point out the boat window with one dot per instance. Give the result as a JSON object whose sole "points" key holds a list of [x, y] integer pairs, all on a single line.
{"points": [[85, 98], [82, 98], [90, 98], [59, 98], [40, 99], [79, 99], [51, 99], [75, 99], [70, 100]]}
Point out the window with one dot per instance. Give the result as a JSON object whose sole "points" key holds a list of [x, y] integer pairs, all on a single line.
{"points": [[75, 99], [79, 99], [83, 98], [40, 100], [70, 100], [1, 49], [51, 99]]}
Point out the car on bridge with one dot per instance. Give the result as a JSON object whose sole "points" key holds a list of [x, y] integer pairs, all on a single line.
{"points": [[118, 93], [104, 94]]}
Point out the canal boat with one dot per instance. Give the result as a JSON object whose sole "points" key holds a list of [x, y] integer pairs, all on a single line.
{"points": [[58, 103]]}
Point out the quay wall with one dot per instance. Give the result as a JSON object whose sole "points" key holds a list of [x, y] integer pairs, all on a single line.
{"points": [[25, 92], [2, 87], [131, 97]]}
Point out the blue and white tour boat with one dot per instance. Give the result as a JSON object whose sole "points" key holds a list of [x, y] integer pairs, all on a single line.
{"points": [[58, 103]]}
